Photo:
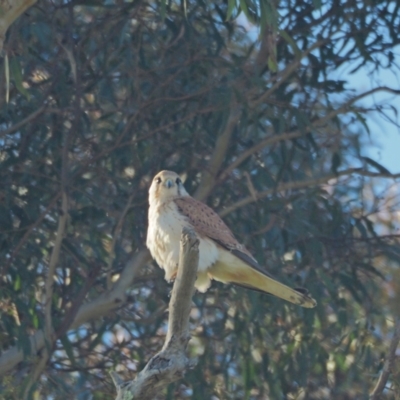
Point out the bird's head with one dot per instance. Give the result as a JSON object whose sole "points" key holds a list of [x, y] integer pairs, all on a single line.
{"points": [[166, 185]]}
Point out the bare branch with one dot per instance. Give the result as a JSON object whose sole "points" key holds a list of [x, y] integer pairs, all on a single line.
{"points": [[221, 147], [103, 305], [10, 11], [115, 237], [270, 140], [304, 184], [389, 364], [25, 121], [39, 366], [345, 107], [283, 75], [183, 290], [55, 255], [49, 330], [171, 362], [30, 229]]}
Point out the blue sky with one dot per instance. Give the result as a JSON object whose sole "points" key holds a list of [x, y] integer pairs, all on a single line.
{"points": [[385, 136]]}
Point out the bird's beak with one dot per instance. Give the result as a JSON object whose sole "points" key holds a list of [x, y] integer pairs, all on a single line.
{"points": [[169, 183]]}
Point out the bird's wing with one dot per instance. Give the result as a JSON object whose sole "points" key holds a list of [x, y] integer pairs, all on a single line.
{"points": [[239, 266], [208, 223]]}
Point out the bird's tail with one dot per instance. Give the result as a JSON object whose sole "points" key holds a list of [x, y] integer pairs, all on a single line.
{"points": [[242, 274]]}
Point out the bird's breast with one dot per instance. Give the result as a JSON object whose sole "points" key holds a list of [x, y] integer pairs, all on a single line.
{"points": [[163, 239]]}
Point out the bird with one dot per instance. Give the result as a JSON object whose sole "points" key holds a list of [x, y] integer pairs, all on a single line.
{"points": [[221, 257]]}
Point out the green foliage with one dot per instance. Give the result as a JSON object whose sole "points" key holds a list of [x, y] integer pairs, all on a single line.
{"points": [[109, 93]]}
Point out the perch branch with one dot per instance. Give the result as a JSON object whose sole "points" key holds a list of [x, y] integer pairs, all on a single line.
{"points": [[171, 362]]}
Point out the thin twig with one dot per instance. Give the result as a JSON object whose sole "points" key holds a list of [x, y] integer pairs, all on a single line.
{"points": [[103, 305], [40, 365], [345, 107], [250, 185], [54, 258], [208, 178], [115, 237], [283, 75], [49, 330], [304, 184], [78, 300], [22, 123], [270, 140], [30, 229], [389, 364]]}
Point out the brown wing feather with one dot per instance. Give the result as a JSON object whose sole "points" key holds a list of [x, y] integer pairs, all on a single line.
{"points": [[208, 223]]}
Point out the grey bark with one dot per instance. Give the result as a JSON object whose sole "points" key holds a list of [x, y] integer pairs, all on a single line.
{"points": [[171, 362]]}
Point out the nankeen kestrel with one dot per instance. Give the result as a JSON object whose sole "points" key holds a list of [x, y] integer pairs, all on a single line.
{"points": [[221, 256]]}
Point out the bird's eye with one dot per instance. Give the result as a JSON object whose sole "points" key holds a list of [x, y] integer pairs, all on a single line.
{"points": [[158, 180], [178, 181]]}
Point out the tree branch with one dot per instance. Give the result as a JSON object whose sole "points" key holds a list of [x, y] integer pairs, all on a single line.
{"points": [[55, 255], [221, 147], [115, 237], [49, 329], [389, 364], [30, 229], [270, 140], [171, 362], [10, 10], [303, 184], [103, 305], [25, 121], [284, 74]]}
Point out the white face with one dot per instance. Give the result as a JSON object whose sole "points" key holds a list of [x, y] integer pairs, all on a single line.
{"points": [[166, 185]]}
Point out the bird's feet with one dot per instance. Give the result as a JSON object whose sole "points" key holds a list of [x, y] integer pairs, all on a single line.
{"points": [[171, 277]]}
